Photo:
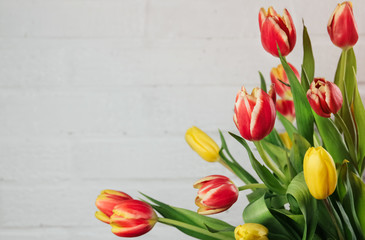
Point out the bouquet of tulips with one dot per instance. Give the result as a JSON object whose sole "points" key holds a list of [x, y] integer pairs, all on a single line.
{"points": [[309, 182]]}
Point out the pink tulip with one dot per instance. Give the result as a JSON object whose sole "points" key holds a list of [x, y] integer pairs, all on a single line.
{"points": [[254, 115], [216, 194], [324, 97], [106, 201], [342, 27], [277, 74], [132, 218], [276, 31]]}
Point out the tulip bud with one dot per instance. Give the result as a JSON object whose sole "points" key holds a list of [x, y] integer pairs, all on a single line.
{"points": [[216, 194], [286, 108], [276, 31], [132, 218], [254, 115], [342, 27], [286, 140], [251, 231], [201, 143], [277, 74], [319, 172], [324, 97], [106, 201]]}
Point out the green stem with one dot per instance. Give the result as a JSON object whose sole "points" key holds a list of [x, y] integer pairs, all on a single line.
{"points": [[193, 228], [343, 66], [329, 209], [269, 162], [348, 137], [252, 186]]}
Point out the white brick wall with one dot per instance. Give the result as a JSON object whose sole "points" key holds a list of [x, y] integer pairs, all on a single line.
{"points": [[97, 94]]}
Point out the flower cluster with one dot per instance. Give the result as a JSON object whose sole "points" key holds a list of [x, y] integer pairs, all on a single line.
{"points": [[308, 183]]}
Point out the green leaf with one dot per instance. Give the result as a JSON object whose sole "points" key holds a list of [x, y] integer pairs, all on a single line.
{"points": [[289, 224], [303, 111], [289, 127], [265, 175], [277, 154], [193, 219], [298, 191], [308, 60], [263, 83], [359, 113], [280, 156], [325, 222], [297, 153], [332, 139], [258, 212], [358, 190], [240, 172], [345, 77], [348, 203], [274, 138]]}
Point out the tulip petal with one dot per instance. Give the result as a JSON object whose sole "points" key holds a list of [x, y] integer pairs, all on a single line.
{"points": [[272, 36], [263, 116]]}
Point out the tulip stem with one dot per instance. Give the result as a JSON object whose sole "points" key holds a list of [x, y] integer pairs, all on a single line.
{"points": [[268, 161], [329, 209], [193, 228], [252, 186]]}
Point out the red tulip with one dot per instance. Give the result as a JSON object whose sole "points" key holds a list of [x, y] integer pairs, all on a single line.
{"points": [[342, 27], [324, 97], [286, 108], [216, 194], [106, 201], [132, 218], [277, 74], [254, 115], [276, 31]]}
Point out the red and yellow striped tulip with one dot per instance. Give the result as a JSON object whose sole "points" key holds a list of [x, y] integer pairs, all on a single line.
{"points": [[276, 31], [106, 201], [132, 218], [216, 194], [324, 97], [254, 114], [342, 26]]}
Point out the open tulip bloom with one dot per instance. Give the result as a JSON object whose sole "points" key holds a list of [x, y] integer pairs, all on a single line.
{"points": [[308, 178]]}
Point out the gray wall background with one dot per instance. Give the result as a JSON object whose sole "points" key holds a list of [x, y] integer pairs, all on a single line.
{"points": [[98, 94]]}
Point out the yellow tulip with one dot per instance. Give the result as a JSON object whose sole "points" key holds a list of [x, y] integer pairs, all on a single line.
{"points": [[319, 172], [201, 143], [286, 140], [251, 231]]}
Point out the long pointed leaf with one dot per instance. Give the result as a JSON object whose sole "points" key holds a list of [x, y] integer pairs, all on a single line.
{"points": [[308, 60], [303, 111], [298, 190], [265, 175], [332, 139]]}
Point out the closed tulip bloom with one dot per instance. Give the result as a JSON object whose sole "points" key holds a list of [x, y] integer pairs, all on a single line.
{"points": [[254, 114], [277, 74], [132, 218], [276, 31], [286, 140], [201, 143], [324, 97], [106, 201], [342, 27], [319, 172], [251, 231], [286, 108], [216, 194]]}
